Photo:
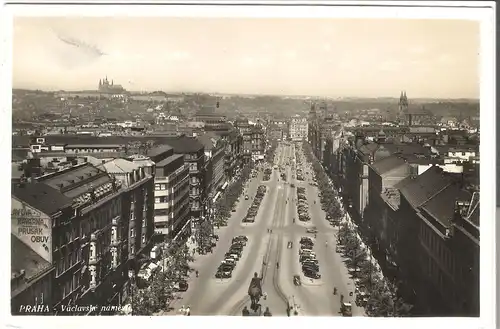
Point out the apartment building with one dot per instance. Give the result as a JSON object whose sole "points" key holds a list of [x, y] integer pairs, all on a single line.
{"points": [[214, 151], [171, 190], [194, 155], [79, 220], [298, 128]]}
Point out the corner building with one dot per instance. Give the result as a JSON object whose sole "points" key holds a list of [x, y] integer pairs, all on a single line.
{"points": [[79, 220], [171, 207]]}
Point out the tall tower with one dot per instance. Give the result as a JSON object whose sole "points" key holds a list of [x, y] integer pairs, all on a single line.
{"points": [[403, 103]]}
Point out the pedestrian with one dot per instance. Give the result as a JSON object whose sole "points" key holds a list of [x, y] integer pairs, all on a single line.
{"points": [[188, 311], [267, 312], [245, 311]]}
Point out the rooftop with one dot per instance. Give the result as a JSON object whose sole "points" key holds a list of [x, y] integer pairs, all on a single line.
{"points": [[386, 165], [77, 180], [157, 150], [168, 160], [442, 204], [119, 166], [425, 186], [184, 144], [209, 139], [41, 196]]}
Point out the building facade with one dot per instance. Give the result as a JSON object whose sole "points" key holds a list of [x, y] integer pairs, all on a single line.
{"points": [[171, 195], [258, 143], [194, 156], [298, 128], [214, 147], [81, 223]]}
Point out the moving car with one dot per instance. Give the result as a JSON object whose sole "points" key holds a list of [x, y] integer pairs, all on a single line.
{"points": [[289, 245], [346, 309], [246, 197], [296, 280], [312, 230]]}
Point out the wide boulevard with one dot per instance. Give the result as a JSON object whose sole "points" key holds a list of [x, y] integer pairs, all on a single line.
{"points": [[268, 244]]}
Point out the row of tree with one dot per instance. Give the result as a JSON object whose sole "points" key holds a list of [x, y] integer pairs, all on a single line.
{"points": [[224, 205], [158, 292], [383, 299]]}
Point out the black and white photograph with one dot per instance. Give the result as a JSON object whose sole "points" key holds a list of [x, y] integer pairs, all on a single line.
{"points": [[307, 161]]}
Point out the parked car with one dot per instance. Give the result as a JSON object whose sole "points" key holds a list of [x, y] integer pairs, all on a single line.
{"points": [[289, 245], [312, 274], [312, 230], [296, 280]]}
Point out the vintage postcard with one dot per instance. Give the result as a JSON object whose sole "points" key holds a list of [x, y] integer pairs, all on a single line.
{"points": [[320, 160]]}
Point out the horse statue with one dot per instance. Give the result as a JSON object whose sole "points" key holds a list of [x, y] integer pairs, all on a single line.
{"points": [[255, 292]]}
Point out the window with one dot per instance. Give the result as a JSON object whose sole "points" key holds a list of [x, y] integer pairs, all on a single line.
{"points": [[131, 232], [157, 200], [163, 186], [143, 238], [157, 187]]}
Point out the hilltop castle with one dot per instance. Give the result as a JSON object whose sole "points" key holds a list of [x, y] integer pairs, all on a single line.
{"points": [[109, 88]]}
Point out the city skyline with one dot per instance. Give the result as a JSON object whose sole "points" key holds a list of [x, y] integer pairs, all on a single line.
{"points": [[428, 58]]}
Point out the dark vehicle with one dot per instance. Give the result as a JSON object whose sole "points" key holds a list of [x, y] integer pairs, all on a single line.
{"points": [[249, 219], [310, 266], [239, 242], [305, 239], [224, 273], [312, 274], [346, 309], [296, 280], [289, 245], [306, 246], [183, 285], [237, 245], [305, 258]]}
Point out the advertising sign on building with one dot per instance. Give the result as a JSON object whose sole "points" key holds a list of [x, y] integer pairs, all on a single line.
{"points": [[32, 227]]}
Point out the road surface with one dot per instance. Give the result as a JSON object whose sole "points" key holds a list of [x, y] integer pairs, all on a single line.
{"points": [[267, 242]]}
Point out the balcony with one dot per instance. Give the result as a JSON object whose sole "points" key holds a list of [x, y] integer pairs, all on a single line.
{"points": [[194, 195], [194, 171]]}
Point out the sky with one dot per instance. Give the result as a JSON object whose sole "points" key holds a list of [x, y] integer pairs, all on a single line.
{"points": [[296, 56]]}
